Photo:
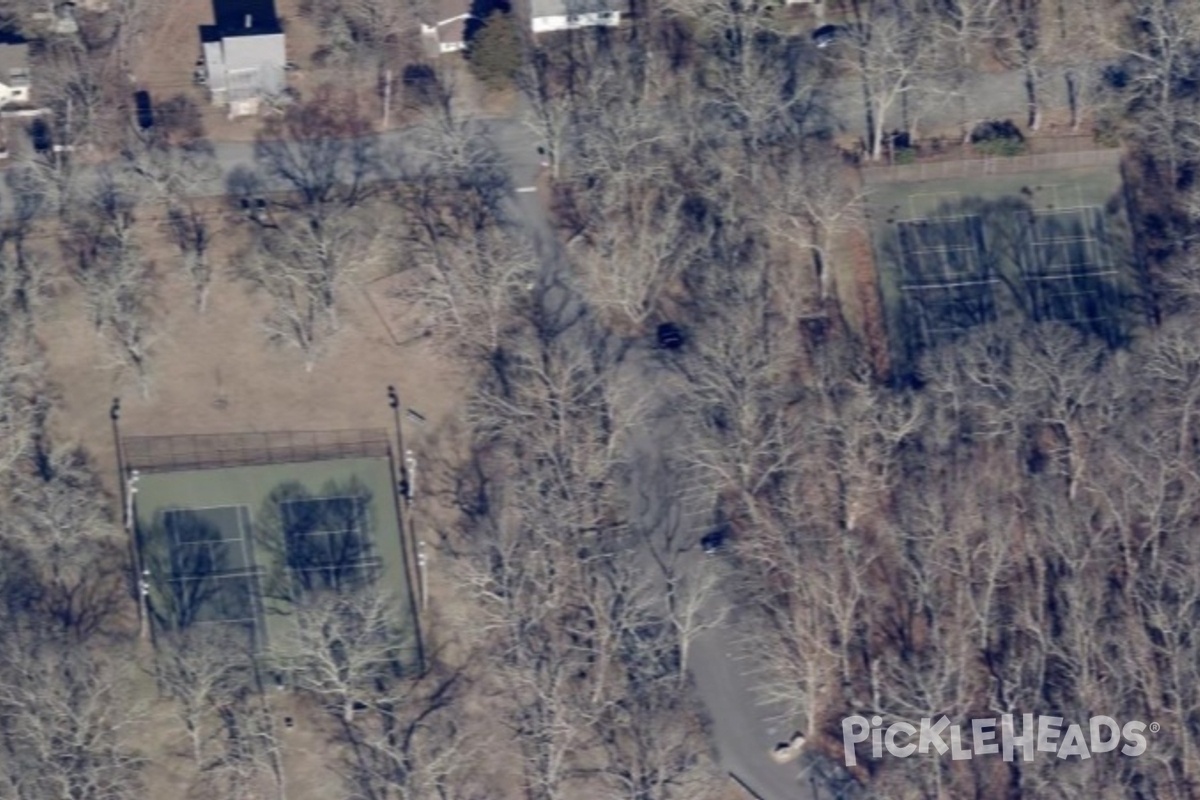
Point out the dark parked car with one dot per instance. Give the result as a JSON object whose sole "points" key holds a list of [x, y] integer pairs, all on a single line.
{"points": [[145, 109], [826, 35], [670, 336], [713, 542]]}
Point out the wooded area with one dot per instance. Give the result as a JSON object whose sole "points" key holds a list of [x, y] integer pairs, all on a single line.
{"points": [[1008, 525]]}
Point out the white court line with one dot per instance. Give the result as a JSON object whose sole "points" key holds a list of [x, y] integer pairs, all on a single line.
{"points": [[526, 189], [1060, 210], [1073, 276], [916, 287]]}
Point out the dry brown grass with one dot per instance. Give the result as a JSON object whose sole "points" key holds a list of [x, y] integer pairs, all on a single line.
{"points": [[215, 372]]}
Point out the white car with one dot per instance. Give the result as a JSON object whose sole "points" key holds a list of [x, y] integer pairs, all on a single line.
{"points": [[788, 751]]}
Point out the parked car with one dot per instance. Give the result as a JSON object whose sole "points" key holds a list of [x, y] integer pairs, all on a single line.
{"points": [[826, 35], [714, 541], [144, 108], [670, 336], [788, 751]]}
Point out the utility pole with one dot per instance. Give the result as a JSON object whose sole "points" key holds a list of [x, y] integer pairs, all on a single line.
{"points": [[394, 402], [403, 511], [114, 414], [67, 128], [387, 96], [410, 472], [421, 563], [143, 578]]}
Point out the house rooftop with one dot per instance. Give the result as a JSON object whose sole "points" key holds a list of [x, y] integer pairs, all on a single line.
{"points": [[13, 57], [441, 12], [563, 8], [245, 52], [241, 18]]}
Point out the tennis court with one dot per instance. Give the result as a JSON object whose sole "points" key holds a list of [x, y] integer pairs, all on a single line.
{"points": [[1069, 266], [942, 249], [327, 542], [239, 545], [958, 253], [213, 577], [944, 280]]}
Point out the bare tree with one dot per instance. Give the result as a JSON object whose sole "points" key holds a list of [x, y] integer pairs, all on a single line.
{"points": [[202, 672], [60, 519], [549, 109], [77, 84], [418, 745], [1076, 40], [810, 206], [191, 230], [370, 31], [23, 399], [319, 152], [249, 763], [1022, 26], [889, 51], [301, 264], [964, 31], [108, 263], [471, 274], [342, 646], [637, 244], [69, 717], [1159, 57], [177, 176]]}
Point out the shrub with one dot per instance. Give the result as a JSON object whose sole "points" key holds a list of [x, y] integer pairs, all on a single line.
{"points": [[495, 52], [1000, 147], [998, 138]]}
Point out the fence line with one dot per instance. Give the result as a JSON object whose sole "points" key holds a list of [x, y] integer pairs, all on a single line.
{"points": [[994, 165], [208, 451]]}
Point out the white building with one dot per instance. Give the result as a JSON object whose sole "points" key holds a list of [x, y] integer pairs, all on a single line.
{"points": [[563, 15], [244, 66], [14, 73], [445, 29]]}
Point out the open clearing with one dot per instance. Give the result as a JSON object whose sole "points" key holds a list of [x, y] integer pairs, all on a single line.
{"points": [[215, 372]]}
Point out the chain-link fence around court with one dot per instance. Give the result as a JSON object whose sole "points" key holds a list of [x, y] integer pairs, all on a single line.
{"points": [[208, 451], [994, 165]]}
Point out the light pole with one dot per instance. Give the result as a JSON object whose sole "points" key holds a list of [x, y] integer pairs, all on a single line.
{"points": [[114, 414], [127, 486], [407, 533], [143, 573], [421, 561], [394, 402], [410, 473]]}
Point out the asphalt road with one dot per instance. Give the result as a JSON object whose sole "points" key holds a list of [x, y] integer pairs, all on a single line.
{"points": [[992, 95], [675, 513]]}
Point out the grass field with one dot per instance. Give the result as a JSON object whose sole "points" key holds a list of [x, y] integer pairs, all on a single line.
{"points": [[953, 254]]}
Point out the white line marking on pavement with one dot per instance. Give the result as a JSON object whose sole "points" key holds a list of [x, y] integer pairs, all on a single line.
{"points": [[526, 189]]}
